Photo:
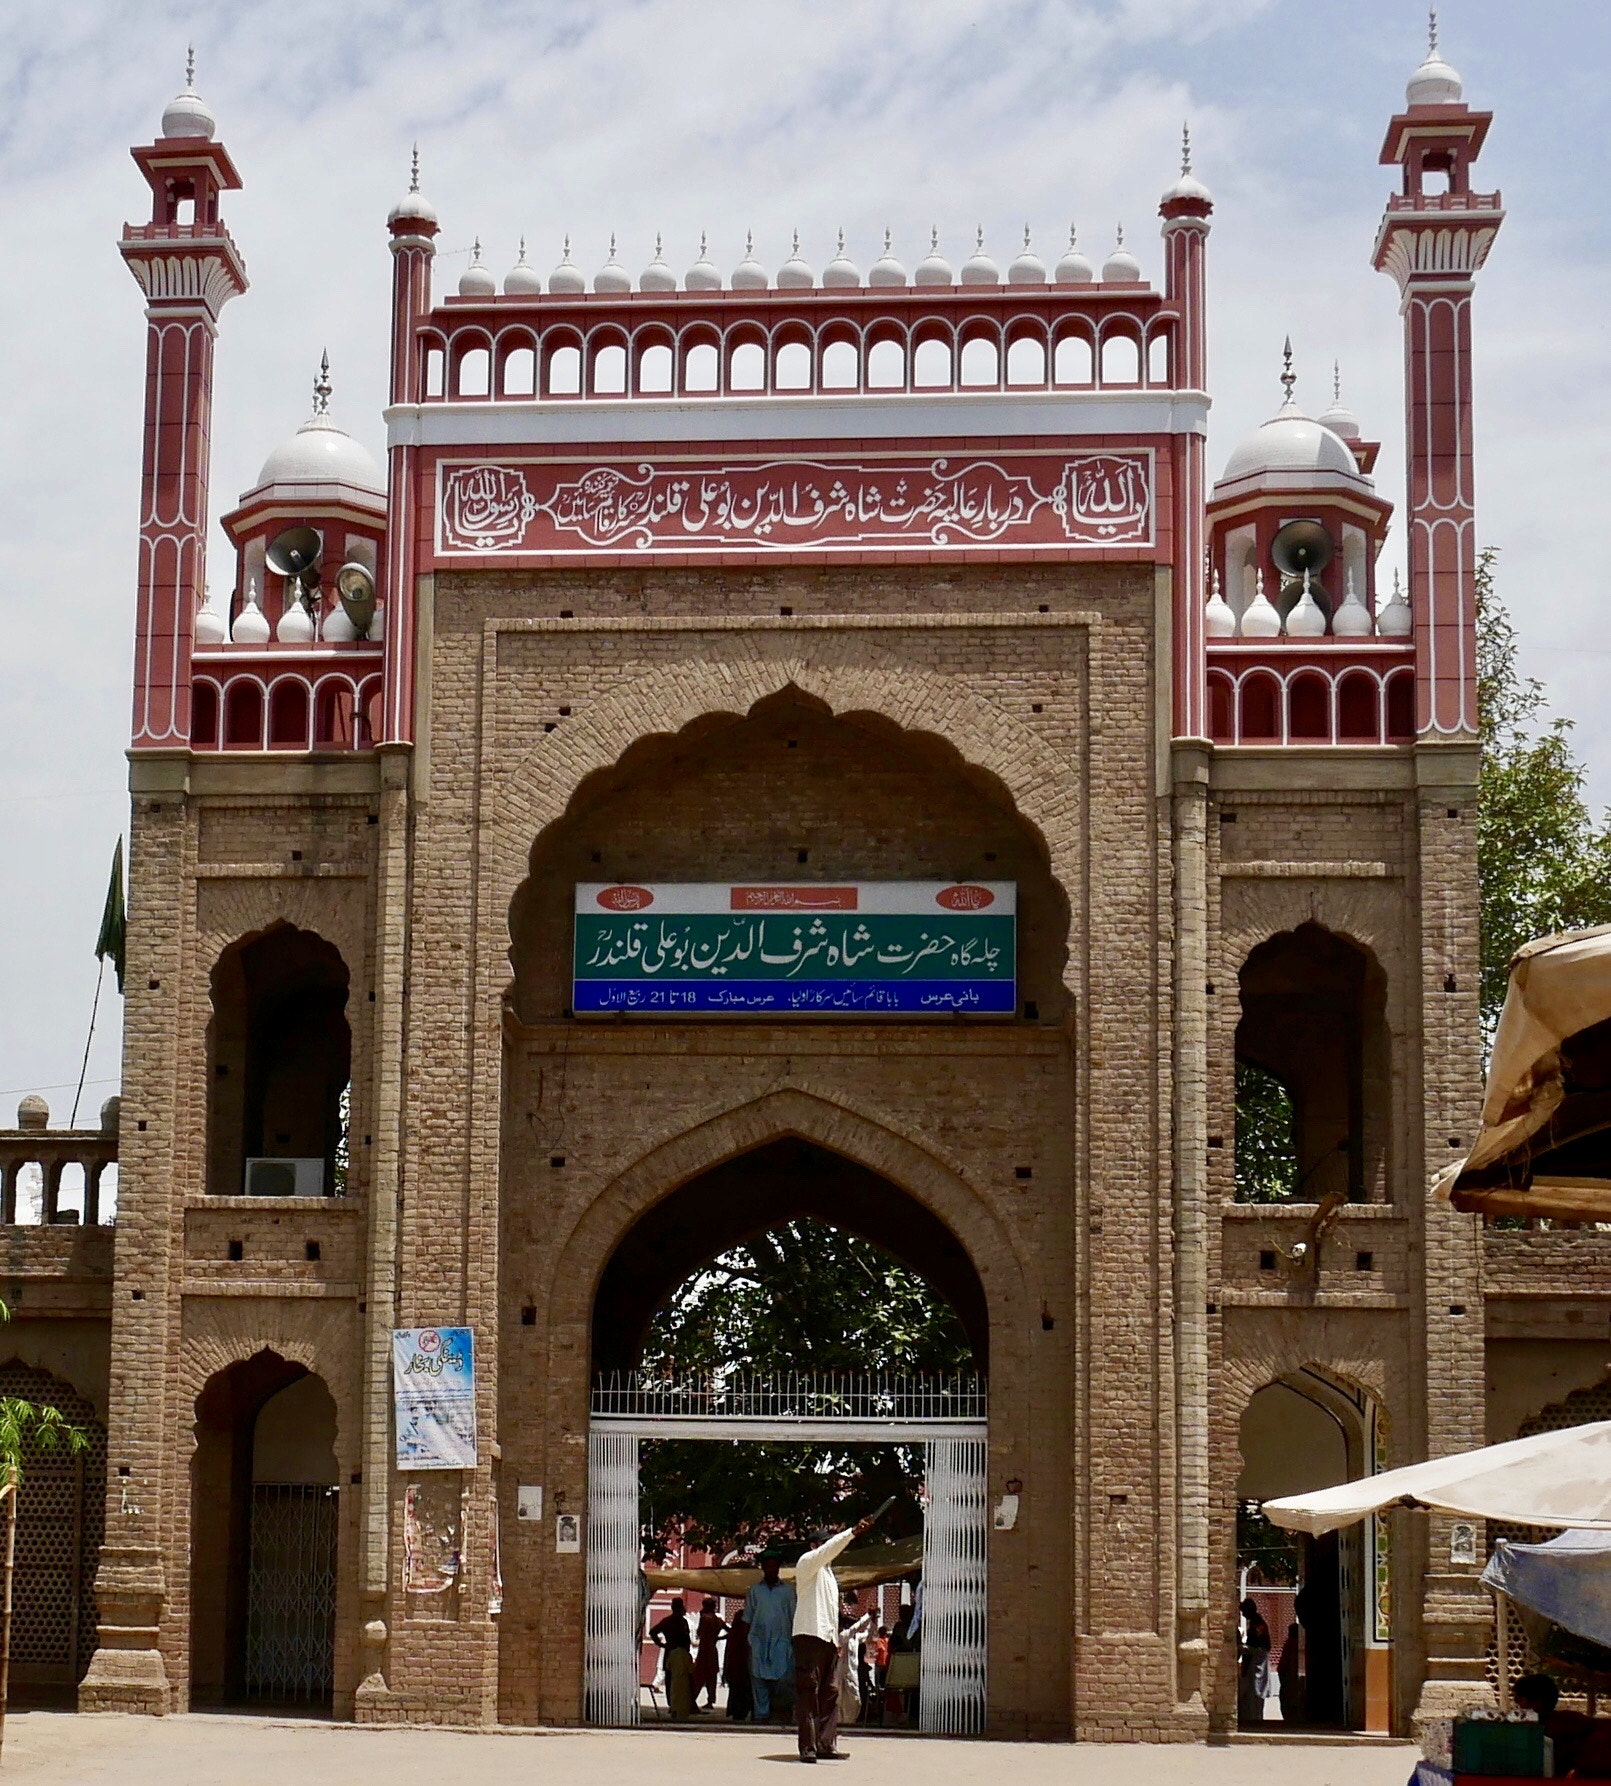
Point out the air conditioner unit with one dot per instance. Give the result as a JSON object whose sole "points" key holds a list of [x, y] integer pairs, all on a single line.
{"points": [[284, 1178]]}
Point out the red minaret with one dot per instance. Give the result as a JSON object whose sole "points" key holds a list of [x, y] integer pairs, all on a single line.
{"points": [[1434, 237], [188, 268], [413, 229], [1186, 208]]}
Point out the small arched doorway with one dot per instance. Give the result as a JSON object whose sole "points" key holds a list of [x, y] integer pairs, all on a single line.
{"points": [[264, 1527], [801, 1305], [1325, 1599]]}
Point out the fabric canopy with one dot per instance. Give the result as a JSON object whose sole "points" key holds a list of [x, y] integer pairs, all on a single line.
{"points": [[1567, 1580], [1550, 1479], [1540, 1095], [854, 1569]]}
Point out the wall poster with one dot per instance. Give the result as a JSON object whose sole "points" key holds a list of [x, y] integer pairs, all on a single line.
{"points": [[433, 1386], [868, 948]]}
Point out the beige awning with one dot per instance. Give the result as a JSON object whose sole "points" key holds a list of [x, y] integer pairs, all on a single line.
{"points": [[1550, 1479], [1544, 1146]]}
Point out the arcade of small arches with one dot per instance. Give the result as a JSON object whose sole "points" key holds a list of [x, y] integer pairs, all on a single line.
{"points": [[314, 709], [1371, 703], [1120, 351]]}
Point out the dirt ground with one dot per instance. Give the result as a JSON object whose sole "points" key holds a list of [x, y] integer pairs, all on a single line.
{"points": [[238, 1751]]}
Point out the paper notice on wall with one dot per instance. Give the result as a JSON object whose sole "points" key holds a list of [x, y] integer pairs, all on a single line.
{"points": [[433, 1386]]}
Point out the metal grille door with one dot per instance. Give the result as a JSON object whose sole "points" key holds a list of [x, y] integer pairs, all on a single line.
{"points": [[614, 1609], [291, 1592], [951, 1693]]}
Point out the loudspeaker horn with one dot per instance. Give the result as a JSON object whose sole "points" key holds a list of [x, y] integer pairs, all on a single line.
{"points": [[356, 589], [293, 553], [1301, 546]]}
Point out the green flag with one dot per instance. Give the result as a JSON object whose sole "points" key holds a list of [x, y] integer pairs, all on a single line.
{"points": [[114, 920]]}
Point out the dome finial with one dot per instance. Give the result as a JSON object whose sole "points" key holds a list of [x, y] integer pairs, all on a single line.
{"points": [[1185, 148], [190, 68], [1432, 31], [1288, 377], [322, 386], [749, 242], [1026, 235], [934, 238], [888, 239], [414, 170], [1336, 381]]}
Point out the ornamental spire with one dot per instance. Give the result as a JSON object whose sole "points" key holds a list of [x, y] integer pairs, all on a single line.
{"points": [[322, 386], [1288, 377], [1185, 148]]}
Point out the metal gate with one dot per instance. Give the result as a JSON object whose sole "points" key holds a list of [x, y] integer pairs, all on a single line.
{"points": [[947, 1416], [291, 1592], [951, 1691]]}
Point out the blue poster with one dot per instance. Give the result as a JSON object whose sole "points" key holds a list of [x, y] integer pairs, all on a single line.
{"points": [[433, 1386]]}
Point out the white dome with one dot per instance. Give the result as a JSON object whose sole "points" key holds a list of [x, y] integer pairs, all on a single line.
{"points": [[251, 623], [566, 279], [794, 274], [704, 274], [1306, 619], [1073, 268], [1188, 186], [979, 268], [657, 276], [522, 280], [612, 276], [1219, 618], [187, 113], [296, 625], [1121, 267], [886, 270], [841, 272], [336, 628], [1434, 82], [749, 274], [1290, 442], [1259, 618], [1341, 420], [210, 627], [1352, 618], [1028, 268], [1395, 621], [476, 281], [934, 268], [321, 453]]}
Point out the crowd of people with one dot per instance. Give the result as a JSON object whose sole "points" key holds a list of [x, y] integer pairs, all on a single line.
{"points": [[803, 1650]]}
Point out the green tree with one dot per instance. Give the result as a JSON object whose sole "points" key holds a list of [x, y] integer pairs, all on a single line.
{"points": [[803, 1296], [1266, 1147], [1543, 864]]}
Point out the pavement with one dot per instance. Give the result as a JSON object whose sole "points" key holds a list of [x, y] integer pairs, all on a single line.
{"points": [[222, 1750]]}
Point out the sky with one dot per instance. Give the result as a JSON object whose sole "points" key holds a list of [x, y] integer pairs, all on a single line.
{"points": [[681, 116]]}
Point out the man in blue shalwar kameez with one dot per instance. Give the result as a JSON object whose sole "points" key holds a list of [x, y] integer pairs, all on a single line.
{"points": [[769, 1612]]}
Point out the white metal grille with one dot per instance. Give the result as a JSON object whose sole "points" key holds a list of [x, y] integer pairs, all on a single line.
{"points": [[613, 1580], [951, 1694], [291, 1592]]}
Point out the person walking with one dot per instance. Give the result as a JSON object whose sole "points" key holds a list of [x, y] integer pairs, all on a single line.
{"points": [[769, 1613], [673, 1637], [736, 1670], [816, 1640], [1253, 1666], [707, 1661]]}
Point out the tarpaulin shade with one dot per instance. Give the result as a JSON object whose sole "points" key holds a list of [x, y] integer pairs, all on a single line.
{"points": [[1550, 1479], [854, 1569], [1544, 1146], [1567, 1580]]}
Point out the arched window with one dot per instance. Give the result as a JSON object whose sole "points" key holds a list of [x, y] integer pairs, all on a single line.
{"points": [[886, 366], [332, 715], [981, 362], [1401, 706], [609, 370], [931, 365], [1221, 710], [243, 715], [1121, 360], [1261, 710], [475, 373], [564, 370], [204, 716], [520, 372], [654, 369], [1026, 361], [1309, 709], [792, 368], [1071, 361], [701, 368], [288, 716], [746, 370], [840, 366], [1358, 720], [435, 371], [1158, 359]]}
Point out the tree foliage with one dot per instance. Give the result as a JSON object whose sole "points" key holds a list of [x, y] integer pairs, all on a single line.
{"points": [[1543, 864], [802, 1297], [1266, 1147]]}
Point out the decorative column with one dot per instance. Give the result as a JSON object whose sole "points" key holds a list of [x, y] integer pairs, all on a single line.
{"points": [[188, 268], [1435, 235]]}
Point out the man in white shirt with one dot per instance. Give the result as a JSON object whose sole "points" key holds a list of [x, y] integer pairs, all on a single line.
{"points": [[816, 1640]]}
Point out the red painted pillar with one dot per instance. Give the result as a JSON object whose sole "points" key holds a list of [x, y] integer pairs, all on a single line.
{"points": [[1186, 209], [1434, 237], [413, 229], [188, 268]]}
